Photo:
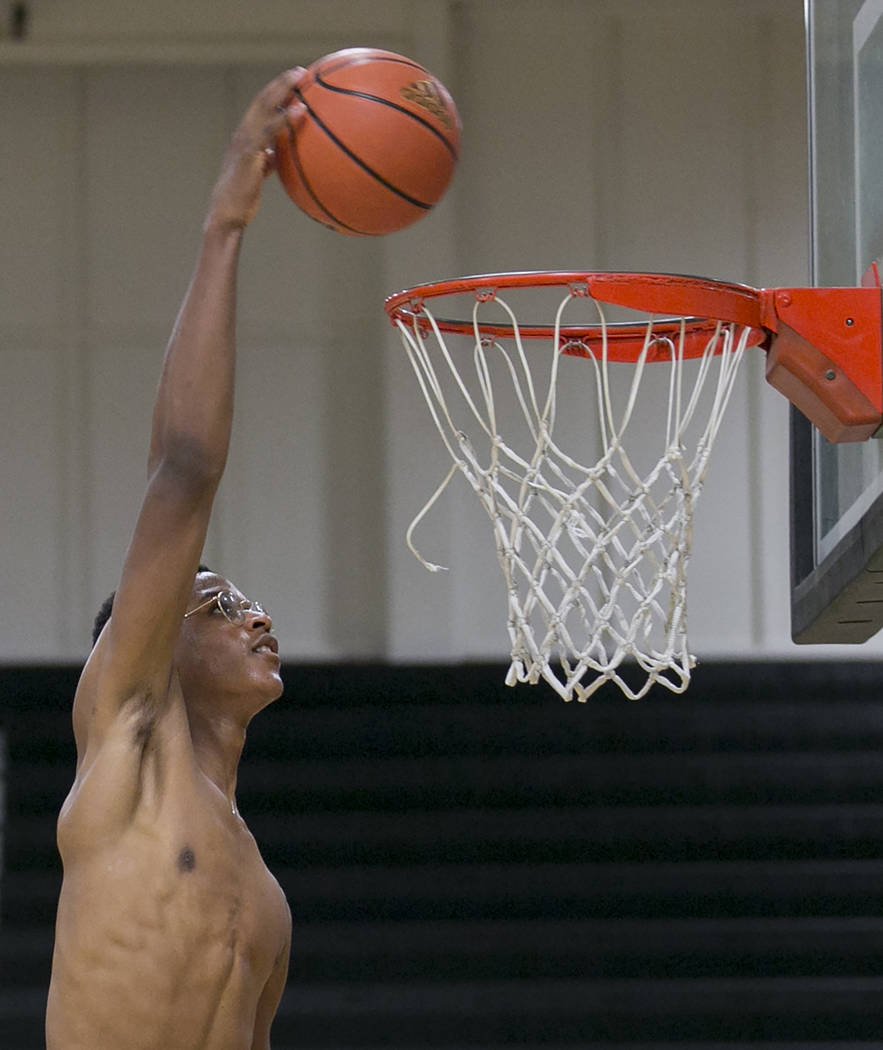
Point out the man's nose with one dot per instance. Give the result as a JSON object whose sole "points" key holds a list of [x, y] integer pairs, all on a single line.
{"points": [[260, 619]]}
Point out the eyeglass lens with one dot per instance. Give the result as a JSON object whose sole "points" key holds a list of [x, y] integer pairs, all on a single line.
{"points": [[236, 609]]}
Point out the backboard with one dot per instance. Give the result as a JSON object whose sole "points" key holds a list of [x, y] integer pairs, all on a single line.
{"points": [[837, 490]]}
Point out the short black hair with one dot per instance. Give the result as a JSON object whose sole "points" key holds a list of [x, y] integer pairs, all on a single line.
{"points": [[106, 609]]}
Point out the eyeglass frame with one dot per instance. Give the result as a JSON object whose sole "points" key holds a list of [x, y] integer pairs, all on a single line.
{"points": [[244, 606]]}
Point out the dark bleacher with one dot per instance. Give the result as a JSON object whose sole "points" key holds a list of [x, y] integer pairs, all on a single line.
{"points": [[471, 866]]}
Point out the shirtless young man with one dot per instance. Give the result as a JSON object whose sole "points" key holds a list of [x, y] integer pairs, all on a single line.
{"points": [[171, 933]]}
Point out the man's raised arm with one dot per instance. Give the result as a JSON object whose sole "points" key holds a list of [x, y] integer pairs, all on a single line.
{"points": [[191, 426]]}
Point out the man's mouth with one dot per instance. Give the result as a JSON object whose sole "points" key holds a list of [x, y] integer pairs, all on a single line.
{"points": [[266, 644]]}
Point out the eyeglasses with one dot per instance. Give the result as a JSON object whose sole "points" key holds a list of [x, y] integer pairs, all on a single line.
{"points": [[234, 609]]}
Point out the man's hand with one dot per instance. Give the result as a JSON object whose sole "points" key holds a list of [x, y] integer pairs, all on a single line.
{"points": [[250, 156]]}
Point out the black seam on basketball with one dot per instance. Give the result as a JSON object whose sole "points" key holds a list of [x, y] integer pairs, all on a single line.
{"points": [[295, 160], [392, 105], [358, 160]]}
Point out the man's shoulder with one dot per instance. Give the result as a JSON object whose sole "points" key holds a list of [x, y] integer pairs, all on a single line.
{"points": [[127, 762]]}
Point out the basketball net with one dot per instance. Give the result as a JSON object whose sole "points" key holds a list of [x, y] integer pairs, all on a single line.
{"points": [[594, 554]]}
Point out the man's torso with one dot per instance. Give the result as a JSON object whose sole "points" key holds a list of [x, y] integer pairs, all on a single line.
{"points": [[169, 923]]}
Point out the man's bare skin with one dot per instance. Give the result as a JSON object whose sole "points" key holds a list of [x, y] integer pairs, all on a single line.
{"points": [[171, 932]]}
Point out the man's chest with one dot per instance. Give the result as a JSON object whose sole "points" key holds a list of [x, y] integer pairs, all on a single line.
{"points": [[213, 879], [186, 871]]}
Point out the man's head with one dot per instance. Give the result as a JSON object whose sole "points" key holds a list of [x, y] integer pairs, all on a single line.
{"points": [[225, 647]]}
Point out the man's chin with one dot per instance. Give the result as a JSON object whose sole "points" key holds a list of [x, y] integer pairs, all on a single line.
{"points": [[275, 688]]}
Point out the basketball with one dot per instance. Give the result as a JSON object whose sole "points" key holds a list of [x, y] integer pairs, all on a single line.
{"points": [[376, 147]]}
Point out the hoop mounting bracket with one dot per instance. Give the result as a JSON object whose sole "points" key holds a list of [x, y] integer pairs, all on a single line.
{"points": [[825, 354]]}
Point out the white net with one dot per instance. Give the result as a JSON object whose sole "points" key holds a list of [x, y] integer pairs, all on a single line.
{"points": [[594, 554]]}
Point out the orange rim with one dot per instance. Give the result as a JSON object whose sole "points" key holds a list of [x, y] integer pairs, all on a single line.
{"points": [[692, 307]]}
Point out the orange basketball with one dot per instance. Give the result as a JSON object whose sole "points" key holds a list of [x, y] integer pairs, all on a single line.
{"points": [[377, 146]]}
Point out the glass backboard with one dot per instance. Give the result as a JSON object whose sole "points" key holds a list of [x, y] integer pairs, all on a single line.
{"points": [[837, 490]]}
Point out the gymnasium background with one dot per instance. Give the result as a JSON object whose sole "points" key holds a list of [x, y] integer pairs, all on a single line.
{"points": [[643, 134], [468, 866]]}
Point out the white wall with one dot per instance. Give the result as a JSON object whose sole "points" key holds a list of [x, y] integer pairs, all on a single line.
{"points": [[598, 134]]}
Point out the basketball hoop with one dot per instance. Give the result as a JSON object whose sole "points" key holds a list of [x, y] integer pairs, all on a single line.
{"points": [[594, 547]]}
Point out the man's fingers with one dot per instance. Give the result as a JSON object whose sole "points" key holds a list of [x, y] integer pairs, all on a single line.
{"points": [[294, 114], [276, 107], [280, 92]]}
